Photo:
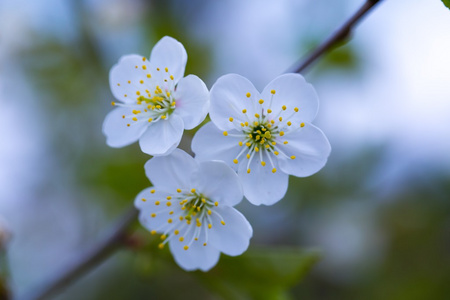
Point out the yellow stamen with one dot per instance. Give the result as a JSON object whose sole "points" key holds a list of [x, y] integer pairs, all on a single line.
{"points": [[225, 133], [248, 95], [272, 92]]}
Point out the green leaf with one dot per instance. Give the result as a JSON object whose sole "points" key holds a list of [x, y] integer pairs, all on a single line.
{"points": [[446, 3], [260, 273]]}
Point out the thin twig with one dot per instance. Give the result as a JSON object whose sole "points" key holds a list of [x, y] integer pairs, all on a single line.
{"points": [[340, 35], [115, 238], [111, 242]]}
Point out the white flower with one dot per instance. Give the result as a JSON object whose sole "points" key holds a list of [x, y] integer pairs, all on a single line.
{"points": [[157, 103], [191, 206], [264, 137]]}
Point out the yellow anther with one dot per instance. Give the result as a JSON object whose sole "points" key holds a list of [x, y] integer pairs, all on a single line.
{"points": [[302, 124], [168, 94], [280, 118], [143, 199], [257, 137], [261, 101], [222, 222], [285, 142], [198, 208], [256, 149], [275, 152], [293, 157], [248, 171], [283, 107], [169, 203], [163, 236], [166, 69], [281, 133], [248, 156], [242, 124], [256, 115], [289, 123], [181, 239], [178, 190], [150, 119], [153, 215], [169, 221], [138, 93], [141, 81], [176, 232], [169, 197], [209, 226], [244, 111], [136, 67], [157, 202], [248, 95], [129, 81], [149, 76], [204, 244], [144, 67], [225, 133], [158, 106], [164, 117], [174, 103], [157, 69], [186, 247], [203, 200], [113, 103], [272, 121], [181, 218], [171, 77], [171, 213], [216, 203], [296, 109], [267, 146], [128, 125], [195, 239], [274, 170], [134, 119], [272, 92], [192, 191], [248, 144], [188, 222], [153, 232], [255, 123], [263, 129], [136, 111], [235, 161], [161, 245], [274, 143], [240, 144], [125, 95], [267, 135], [209, 212], [269, 111], [246, 123], [231, 119], [263, 163], [143, 59], [118, 84]]}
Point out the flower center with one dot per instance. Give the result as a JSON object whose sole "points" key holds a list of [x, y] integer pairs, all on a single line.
{"points": [[153, 103], [193, 212], [264, 133]]}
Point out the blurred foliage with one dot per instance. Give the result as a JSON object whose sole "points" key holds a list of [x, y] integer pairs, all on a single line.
{"points": [[446, 3]]}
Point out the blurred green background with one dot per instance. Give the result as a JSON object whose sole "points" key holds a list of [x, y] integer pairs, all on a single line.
{"points": [[373, 224]]}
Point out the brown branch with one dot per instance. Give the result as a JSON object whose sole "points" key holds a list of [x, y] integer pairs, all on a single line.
{"points": [[111, 242], [340, 35]]}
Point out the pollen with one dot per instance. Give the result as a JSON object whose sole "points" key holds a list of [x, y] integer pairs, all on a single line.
{"points": [[276, 152], [149, 76], [263, 163], [153, 232], [248, 95], [150, 119], [209, 212], [171, 77], [222, 222], [289, 123], [244, 111], [216, 203], [186, 247], [269, 111], [143, 59], [141, 81], [281, 133], [176, 232], [143, 199], [163, 117], [157, 202], [209, 226], [225, 133], [283, 107], [285, 142], [248, 156], [113, 103], [272, 92], [138, 93], [153, 215], [274, 170], [256, 115], [169, 203], [181, 239], [134, 119], [169, 221], [235, 161], [231, 119], [161, 245], [178, 190], [129, 81], [296, 109], [192, 191], [261, 101], [248, 171], [280, 118], [240, 144], [302, 124], [293, 157], [144, 67]]}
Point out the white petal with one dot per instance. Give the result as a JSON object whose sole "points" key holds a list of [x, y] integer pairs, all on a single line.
{"points": [[261, 186], [293, 91], [171, 172], [209, 143], [232, 238], [218, 182], [192, 101], [163, 136], [115, 128], [311, 149], [228, 99], [125, 78], [169, 53], [196, 257]]}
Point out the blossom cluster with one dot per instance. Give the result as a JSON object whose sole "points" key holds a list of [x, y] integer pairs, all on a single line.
{"points": [[252, 144]]}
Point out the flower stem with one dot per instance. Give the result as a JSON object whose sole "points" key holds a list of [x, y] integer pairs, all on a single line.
{"points": [[87, 260], [338, 36]]}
